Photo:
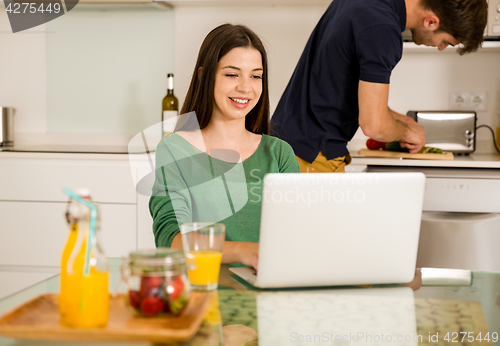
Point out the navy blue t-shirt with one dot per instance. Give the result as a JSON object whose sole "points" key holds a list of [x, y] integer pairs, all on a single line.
{"points": [[354, 40]]}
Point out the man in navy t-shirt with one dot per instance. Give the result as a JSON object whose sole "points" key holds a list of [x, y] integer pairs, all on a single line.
{"points": [[342, 78]]}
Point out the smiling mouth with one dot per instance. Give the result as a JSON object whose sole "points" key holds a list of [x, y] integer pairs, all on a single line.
{"points": [[242, 101]]}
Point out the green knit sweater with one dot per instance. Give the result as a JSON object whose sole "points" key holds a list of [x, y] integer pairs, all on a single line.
{"points": [[192, 186]]}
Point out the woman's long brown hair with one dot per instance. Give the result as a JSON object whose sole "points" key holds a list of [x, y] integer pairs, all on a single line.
{"points": [[200, 96]]}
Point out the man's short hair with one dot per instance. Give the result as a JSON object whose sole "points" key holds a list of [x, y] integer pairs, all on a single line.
{"points": [[465, 20]]}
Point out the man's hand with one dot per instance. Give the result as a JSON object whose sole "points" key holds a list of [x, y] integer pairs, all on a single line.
{"points": [[416, 131], [414, 138], [381, 123]]}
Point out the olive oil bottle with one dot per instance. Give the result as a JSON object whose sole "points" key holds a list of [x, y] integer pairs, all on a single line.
{"points": [[170, 107]]}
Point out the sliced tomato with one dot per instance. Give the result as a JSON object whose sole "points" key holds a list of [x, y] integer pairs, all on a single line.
{"points": [[373, 144]]}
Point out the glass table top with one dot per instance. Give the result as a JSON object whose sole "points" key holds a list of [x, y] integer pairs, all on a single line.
{"points": [[386, 314]]}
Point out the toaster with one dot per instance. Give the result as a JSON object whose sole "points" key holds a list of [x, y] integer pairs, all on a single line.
{"points": [[453, 131]]}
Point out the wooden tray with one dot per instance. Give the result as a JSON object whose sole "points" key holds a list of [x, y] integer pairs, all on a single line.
{"points": [[39, 319], [396, 154]]}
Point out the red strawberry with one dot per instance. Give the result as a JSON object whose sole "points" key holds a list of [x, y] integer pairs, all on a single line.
{"points": [[175, 288], [150, 285], [150, 306], [134, 299]]}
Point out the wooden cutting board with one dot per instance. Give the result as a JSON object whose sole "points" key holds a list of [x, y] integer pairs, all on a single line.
{"points": [[39, 319], [396, 154]]}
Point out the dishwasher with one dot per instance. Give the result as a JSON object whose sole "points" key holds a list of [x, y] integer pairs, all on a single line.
{"points": [[460, 221]]}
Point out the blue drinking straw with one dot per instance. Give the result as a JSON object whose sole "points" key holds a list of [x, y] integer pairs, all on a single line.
{"points": [[92, 226]]}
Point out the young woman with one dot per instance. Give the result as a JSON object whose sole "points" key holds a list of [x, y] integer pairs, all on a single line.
{"points": [[212, 167]]}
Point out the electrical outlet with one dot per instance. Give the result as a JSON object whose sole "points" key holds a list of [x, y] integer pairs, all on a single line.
{"points": [[459, 100], [468, 100], [478, 101]]}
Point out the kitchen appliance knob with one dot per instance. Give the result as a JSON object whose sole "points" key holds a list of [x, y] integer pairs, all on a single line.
{"points": [[498, 9], [467, 132]]}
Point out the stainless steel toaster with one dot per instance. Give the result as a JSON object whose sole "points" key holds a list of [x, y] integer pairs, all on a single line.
{"points": [[453, 131]]}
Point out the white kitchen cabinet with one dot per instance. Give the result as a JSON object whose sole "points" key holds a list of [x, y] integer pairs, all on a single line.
{"points": [[461, 200], [43, 180], [454, 189], [33, 230], [34, 233], [354, 168], [118, 229], [145, 236]]}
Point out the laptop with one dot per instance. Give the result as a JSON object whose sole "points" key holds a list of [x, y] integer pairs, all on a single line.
{"points": [[324, 229]]}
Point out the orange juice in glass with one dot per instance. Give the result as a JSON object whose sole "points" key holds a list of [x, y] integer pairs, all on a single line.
{"points": [[202, 242]]}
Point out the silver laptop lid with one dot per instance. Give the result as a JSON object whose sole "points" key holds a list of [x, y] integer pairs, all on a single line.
{"points": [[339, 229]]}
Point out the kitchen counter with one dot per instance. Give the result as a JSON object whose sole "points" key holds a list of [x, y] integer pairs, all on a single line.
{"points": [[81, 147], [63, 156], [459, 161], [115, 148], [68, 146], [472, 161]]}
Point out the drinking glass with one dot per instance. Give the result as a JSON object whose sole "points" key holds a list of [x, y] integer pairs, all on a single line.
{"points": [[202, 242]]}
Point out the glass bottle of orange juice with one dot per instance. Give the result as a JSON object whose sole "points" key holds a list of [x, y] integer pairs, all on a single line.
{"points": [[84, 298], [74, 212]]}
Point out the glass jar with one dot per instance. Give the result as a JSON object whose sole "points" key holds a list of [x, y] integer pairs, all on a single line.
{"points": [[157, 281]]}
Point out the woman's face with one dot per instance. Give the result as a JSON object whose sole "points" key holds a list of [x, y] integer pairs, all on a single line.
{"points": [[238, 83]]}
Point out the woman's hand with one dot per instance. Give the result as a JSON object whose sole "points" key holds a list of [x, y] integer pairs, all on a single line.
{"points": [[417, 280], [241, 252], [249, 254]]}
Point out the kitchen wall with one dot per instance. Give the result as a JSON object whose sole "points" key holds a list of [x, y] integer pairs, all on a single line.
{"points": [[284, 30], [422, 81], [23, 74], [107, 70], [95, 70], [104, 72]]}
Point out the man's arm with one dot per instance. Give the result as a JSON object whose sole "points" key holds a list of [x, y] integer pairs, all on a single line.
{"points": [[403, 118], [382, 124]]}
